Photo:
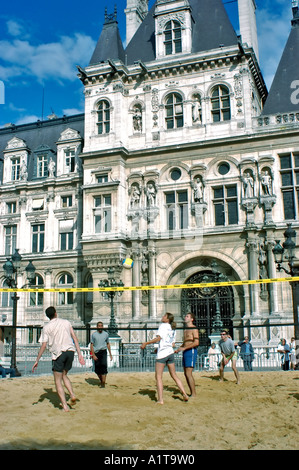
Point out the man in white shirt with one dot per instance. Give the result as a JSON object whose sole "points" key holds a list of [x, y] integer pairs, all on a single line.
{"points": [[59, 335]]}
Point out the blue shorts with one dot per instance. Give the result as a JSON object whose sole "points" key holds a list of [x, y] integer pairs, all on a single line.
{"points": [[189, 357]]}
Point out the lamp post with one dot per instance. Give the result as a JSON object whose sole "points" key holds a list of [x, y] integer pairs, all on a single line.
{"points": [[286, 253], [111, 282], [11, 269]]}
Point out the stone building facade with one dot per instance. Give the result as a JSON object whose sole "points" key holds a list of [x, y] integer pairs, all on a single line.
{"points": [[181, 161]]}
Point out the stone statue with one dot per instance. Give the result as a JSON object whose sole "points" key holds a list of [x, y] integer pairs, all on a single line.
{"points": [[51, 168], [196, 110], [137, 119], [135, 195], [23, 171], [150, 194], [198, 190], [266, 181], [248, 185]]}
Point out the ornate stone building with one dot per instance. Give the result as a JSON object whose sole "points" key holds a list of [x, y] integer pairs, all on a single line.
{"points": [[181, 160]]}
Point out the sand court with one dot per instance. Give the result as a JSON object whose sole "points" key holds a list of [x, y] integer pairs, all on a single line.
{"points": [[262, 413]]}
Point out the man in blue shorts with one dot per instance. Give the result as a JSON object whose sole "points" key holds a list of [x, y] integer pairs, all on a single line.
{"points": [[189, 348]]}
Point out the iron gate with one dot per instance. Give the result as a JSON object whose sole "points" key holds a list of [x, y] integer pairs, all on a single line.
{"points": [[213, 307]]}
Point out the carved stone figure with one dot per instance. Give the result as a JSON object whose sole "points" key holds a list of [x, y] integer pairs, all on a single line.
{"points": [[151, 194], [23, 171], [196, 110], [137, 119], [51, 168], [266, 181], [248, 185], [134, 195], [198, 190]]}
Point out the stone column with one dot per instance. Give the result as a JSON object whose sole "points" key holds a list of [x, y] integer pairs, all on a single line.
{"points": [[252, 251], [136, 281], [152, 256], [273, 300]]}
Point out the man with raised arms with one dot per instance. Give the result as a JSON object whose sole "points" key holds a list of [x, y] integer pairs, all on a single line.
{"points": [[189, 348]]}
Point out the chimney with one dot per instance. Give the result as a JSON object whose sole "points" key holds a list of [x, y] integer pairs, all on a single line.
{"points": [[247, 22], [135, 12]]}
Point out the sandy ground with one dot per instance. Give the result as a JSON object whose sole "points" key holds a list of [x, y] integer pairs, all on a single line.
{"points": [[262, 413]]}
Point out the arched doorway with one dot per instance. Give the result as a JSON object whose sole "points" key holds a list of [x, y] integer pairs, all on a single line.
{"points": [[206, 303]]}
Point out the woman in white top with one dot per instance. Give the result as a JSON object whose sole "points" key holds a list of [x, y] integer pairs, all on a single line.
{"points": [[165, 355]]}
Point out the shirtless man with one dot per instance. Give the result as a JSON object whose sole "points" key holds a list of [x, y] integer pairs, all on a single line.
{"points": [[189, 348]]}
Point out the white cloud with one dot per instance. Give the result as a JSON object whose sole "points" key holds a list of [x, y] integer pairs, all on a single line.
{"points": [[274, 25], [14, 28], [49, 61]]}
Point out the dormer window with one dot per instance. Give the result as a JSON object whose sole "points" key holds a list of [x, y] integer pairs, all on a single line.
{"points": [[173, 37], [15, 168], [69, 155]]}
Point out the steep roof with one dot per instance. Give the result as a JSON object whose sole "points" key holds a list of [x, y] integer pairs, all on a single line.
{"points": [[283, 97], [211, 28], [44, 133], [109, 45]]}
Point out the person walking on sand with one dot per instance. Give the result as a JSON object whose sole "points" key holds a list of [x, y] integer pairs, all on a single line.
{"points": [[165, 356], [189, 348], [227, 348], [98, 349], [59, 335]]}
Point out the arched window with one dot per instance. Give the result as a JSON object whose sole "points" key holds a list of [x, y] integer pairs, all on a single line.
{"points": [[37, 298], [220, 101], [65, 281], [174, 111], [103, 117], [173, 37]]}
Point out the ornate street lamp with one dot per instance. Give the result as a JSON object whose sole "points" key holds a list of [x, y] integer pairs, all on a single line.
{"points": [[286, 253], [11, 269], [111, 282]]}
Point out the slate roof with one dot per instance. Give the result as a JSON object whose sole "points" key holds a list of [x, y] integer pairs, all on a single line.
{"points": [[109, 45], [283, 97], [211, 28], [40, 133]]}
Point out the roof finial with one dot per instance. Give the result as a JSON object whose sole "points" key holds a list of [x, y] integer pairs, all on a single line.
{"points": [[111, 17]]}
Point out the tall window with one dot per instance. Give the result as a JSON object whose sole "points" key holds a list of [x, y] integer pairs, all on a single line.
{"points": [[37, 298], [42, 166], [173, 37], [66, 201], [70, 157], [11, 207], [174, 111], [6, 300], [103, 117], [15, 169], [10, 239], [225, 205], [66, 241], [38, 238], [102, 213], [177, 210], [65, 282], [220, 101], [289, 172]]}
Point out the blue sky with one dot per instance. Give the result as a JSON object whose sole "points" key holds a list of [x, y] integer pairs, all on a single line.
{"points": [[41, 45]]}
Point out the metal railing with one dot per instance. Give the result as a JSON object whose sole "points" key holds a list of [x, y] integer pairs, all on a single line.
{"points": [[136, 360]]}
